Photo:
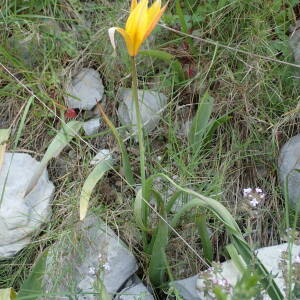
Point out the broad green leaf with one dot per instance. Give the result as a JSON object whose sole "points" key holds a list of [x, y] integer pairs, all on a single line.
{"points": [[204, 236], [98, 172], [7, 294], [32, 287], [60, 141], [4, 135], [157, 266], [236, 259]]}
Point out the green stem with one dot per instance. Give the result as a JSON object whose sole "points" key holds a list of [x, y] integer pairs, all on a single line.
{"points": [[141, 142], [139, 122]]}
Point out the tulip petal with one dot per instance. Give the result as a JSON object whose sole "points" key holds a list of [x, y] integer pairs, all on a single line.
{"points": [[153, 22], [153, 10], [133, 5], [133, 19], [125, 35]]}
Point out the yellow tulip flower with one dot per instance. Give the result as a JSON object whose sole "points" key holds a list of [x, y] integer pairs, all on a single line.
{"points": [[140, 23]]}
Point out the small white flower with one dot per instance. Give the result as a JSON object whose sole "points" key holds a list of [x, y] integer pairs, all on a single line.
{"points": [[247, 191], [297, 260], [223, 282], [258, 190], [159, 158], [99, 256], [92, 270], [262, 196], [106, 267], [254, 202]]}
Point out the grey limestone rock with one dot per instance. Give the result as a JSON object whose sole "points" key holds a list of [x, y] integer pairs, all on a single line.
{"points": [[135, 292], [85, 89], [188, 288], [21, 215], [89, 258], [288, 163], [91, 126], [152, 104]]}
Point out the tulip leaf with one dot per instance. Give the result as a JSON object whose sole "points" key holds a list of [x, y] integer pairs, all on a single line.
{"points": [[32, 287], [205, 238], [97, 173], [200, 121], [7, 294], [62, 139]]}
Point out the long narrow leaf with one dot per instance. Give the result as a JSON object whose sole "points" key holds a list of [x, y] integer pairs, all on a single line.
{"points": [[98, 172], [236, 259], [64, 136], [7, 294], [32, 287], [204, 236], [157, 266]]}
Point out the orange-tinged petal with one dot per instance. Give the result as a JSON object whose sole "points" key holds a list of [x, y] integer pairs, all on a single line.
{"points": [[133, 5], [125, 35], [153, 10], [154, 22]]}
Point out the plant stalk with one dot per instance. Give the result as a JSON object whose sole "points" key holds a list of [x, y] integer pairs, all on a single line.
{"points": [[134, 90], [139, 123]]}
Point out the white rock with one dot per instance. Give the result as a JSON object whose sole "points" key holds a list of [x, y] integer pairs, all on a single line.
{"points": [[288, 163], [135, 292], [84, 90], [190, 288], [91, 126], [21, 215], [103, 154], [91, 251], [294, 41], [152, 104]]}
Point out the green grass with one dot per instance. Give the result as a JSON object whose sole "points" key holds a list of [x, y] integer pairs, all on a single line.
{"points": [[260, 97]]}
